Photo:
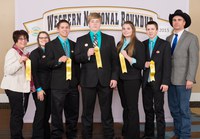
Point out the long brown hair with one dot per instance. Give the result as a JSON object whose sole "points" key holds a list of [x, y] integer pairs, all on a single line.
{"points": [[131, 45]]}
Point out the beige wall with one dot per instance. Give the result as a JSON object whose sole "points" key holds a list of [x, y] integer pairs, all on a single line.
{"points": [[194, 28], [7, 27]]}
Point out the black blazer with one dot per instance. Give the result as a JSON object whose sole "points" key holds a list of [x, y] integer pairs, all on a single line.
{"points": [[134, 70], [40, 72], [90, 74], [161, 55], [54, 51]]}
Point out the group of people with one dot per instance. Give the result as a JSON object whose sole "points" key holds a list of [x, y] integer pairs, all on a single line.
{"points": [[95, 63]]}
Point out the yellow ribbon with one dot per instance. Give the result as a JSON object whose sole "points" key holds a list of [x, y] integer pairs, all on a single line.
{"points": [[152, 70], [98, 56], [69, 69], [28, 70], [122, 63]]}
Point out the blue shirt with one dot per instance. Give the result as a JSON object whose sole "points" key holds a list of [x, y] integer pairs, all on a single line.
{"points": [[98, 33], [126, 42], [151, 46], [65, 45]]}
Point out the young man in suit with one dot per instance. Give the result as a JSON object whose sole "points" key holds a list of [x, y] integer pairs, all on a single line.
{"points": [[156, 78], [65, 95], [185, 60], [97, 53]]}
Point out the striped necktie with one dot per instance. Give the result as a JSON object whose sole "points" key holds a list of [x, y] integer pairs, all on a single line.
{"points": [[95, 42]]}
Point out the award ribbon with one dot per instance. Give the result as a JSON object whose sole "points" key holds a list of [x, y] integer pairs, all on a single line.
{"points": [[28, 70], [69, 69], [152, 70], [98, 56], [122, 63]]}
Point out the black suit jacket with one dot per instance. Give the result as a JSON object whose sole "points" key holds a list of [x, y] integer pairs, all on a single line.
{"points": [[161, 55], [90, 74], [41, 73], [54, 51], [134, 70]]}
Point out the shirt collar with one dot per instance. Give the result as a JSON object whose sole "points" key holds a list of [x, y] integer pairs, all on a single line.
{"points": [[63, 41], [154, 39], [42, 48], [93, 33], [126, 41], [179, 33]]}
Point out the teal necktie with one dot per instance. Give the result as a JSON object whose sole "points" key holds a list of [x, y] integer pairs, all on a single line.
{"points": [[66, 49], [150, 48]]}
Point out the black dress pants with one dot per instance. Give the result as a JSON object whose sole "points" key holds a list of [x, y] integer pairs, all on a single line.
{"points": [[18, 104], [153, 101], [71, 111], [67, 100], [41, 127], [105, 100], [129, 92]]}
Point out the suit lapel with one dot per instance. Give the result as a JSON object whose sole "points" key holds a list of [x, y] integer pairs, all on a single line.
{"points": [[170, 39], [40, 51], [126, 47], [146, 43], [180, 40], [59, 46], [90, 44], [71, 48], [156, 47], [103, 41]]}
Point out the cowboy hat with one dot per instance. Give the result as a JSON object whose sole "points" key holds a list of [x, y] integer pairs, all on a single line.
{"points": [[185, 16]]}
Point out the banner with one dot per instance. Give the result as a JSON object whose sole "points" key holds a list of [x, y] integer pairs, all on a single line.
{"points": [[112, 19]]}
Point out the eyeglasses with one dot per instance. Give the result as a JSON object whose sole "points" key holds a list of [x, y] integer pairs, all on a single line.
{"points": [[43, 38], [22, 39]]}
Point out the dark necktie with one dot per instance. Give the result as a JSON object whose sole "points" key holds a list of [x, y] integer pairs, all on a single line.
{"points": [[174, 43], [95, 42]]}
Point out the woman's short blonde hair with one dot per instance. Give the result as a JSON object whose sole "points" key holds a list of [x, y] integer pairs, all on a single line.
{"points": [[93, 16]]}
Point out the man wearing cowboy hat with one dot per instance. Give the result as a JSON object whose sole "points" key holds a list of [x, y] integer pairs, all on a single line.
{"points": [[185, 59]]}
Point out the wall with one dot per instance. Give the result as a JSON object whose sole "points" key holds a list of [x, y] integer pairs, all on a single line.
{"points": [[8, 21], [194, 28], [6, 28]]}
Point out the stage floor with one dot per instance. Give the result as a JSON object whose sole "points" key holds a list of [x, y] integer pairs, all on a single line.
{"points": [[97, 134]]}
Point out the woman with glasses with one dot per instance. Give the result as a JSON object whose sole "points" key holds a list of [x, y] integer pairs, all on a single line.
{"points": [[42, 97], [14, 82]]}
